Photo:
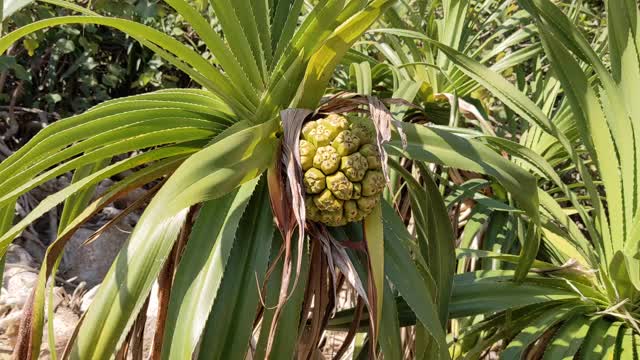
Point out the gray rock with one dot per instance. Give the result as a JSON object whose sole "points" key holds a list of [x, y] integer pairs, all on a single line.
{"points": [[90, 263], [18, 255]]}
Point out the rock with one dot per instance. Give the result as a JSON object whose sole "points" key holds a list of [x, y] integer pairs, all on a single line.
{"points": [[17, 283], [19, 278], [90, 263], [124, 201], [129, 198], [103, 187], [18, 255], [152, 318], [64, 323]]}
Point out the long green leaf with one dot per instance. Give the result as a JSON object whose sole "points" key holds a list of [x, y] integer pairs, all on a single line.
{"points": [[200, 271], [600, 340], [325, 59], [410, 283], [389, 337], [490, 291], [559, 29], [435, 235], [111, 115], [242, 38], [55, 250], [209, 174], [229, 327], [283, 25], [73, 207], [592, 123], [627, 349], [216, 45], [63, 194], [442, 147], [26, 181], [568, 339], [537, 329]]}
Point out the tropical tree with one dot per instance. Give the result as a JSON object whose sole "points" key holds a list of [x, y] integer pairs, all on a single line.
{"points": [[221, 164]]}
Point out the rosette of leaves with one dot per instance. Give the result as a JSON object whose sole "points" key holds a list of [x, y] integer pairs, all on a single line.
{"points": [[343, 178]]}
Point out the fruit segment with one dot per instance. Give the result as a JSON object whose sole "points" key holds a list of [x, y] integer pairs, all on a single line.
{"points": [[341, 163]]}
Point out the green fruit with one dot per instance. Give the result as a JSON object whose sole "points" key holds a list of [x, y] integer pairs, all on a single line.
{"points": [[354, 166], [313, 213], [346, 143], [340, 186], [333, 218], [307, 152], [367, 203], [357, 191], [341, 163], [351, 212], [370, 152], [363, 129], [328, 202], [373, 183], [326, 159], [314, 181]]}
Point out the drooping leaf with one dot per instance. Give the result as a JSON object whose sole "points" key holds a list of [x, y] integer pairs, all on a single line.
{"points": [[490, 291], [229, 327], [200, 271], [404, 275], [209, 174], [568, 339], [442, 147]]}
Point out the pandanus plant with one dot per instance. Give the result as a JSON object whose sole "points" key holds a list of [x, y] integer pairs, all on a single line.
{"points": [[224, 230]]}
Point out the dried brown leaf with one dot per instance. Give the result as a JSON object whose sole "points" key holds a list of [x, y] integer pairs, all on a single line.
{"points": [[287, 200]]}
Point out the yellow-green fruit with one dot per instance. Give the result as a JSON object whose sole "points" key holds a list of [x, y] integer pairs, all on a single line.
{"points": [[357, 191], [326, 159], [340, 186], [373, 183], [354, 166], [307, 128], [336, 121], [328, 202], [363, 129], [307, 152], [333, 218], [313, 213], [341, 164], [322, 133], [314, 181], [346, 143], [370, 152], [367, 203], [351, 212]]}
